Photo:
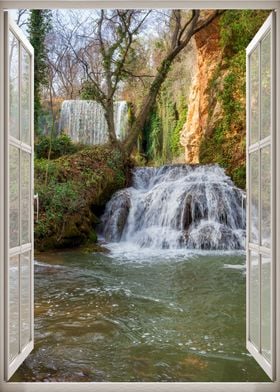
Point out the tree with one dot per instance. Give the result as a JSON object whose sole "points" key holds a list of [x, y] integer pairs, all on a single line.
{"points": [[39, 24], [181, 33], [102, 45], [64, 69], [21, 17], [105, 43]]}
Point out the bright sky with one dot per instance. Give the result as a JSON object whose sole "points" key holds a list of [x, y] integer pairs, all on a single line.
{"points": [[66, 15]]}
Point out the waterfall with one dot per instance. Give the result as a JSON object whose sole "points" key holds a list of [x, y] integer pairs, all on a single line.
{"points": [[178, 206], [121, 113], [84, 121]]}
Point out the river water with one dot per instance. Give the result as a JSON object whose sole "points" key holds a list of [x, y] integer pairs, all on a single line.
{"points": [[154, 315], [167, 303]]}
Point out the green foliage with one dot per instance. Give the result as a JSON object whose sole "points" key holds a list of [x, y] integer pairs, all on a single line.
{"points": [[48, 121], [114, 159], [238, 28], [225, 145], [38, 26], [162, 131], [239, 176], [92, 236], [154, 137], [89, 91], [77, 186], [60, 145], [40, 168], [231, 106], [56, 199], [175, 145]]}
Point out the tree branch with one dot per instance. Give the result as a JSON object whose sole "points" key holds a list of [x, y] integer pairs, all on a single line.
{"points": [[209, 20]]}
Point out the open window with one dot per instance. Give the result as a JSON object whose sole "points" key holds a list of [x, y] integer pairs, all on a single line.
{"points": [[19, 197], [261, 230], [261, 197]]}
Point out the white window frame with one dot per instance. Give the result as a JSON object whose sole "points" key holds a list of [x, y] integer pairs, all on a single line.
{"points": [[128, 387], [269, 141], [11, 27]]}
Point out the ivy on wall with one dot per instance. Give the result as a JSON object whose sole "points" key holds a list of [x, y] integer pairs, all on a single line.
{"points": [[225, 144], [161, 139]]}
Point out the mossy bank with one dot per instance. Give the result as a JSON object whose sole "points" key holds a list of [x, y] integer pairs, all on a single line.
{"points": [[73, 190]]}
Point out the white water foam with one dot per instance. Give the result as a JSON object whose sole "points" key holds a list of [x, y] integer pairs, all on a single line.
{"points": [[177, 207]]}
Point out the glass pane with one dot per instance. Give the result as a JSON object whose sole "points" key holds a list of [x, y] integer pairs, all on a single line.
{"points": [[266, 307], [254, 197], [14, 85], [266, 86], [25, 197], [254, 300], [266, 197], [25, 299], [14, 195], [13, 307], [254, 96], [25, 96]]}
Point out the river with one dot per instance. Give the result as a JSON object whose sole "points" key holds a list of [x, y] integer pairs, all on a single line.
{"points": [[148, 316], [167, 303]]}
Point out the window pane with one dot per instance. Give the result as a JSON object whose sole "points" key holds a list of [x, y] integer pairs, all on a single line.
{"points": [[254, 314], [254, 197], [25, 197], [254, 96], [13, 307], [14, 195], [25, 96], [266, 86], [25, 299], [14, 85], [266, 307], [266, 196]]}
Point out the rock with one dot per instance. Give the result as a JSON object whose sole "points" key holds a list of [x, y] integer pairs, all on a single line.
{"points": [[115, 216], [209, 55], [78, 190], [94, 248]]}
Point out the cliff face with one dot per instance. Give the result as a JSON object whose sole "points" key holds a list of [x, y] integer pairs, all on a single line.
{"points": [[208, 56], [215, 129]]}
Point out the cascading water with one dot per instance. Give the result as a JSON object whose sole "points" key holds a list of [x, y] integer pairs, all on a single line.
{"points": [[178, 206], [121, 112], [84, 121]]}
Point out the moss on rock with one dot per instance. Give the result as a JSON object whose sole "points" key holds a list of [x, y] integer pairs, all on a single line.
{"points": [[73, 190]]}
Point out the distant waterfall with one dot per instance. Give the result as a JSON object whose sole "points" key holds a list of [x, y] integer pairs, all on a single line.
{"points": [[178, 206], [84, 121], [121, 113]]}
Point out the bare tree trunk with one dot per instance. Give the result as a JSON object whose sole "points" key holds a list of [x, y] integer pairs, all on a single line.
{"points": [[109, 116]]}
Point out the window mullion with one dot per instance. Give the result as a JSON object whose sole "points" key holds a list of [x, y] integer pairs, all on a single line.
{"points": [[259, 204], [20, 197]]}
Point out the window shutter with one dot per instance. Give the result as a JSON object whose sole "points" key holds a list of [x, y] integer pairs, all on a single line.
{"points": [[19, 339], [260, 286]]}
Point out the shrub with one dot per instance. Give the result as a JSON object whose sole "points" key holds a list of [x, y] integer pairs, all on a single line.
{"points": [[73, 190], [57, 146]]}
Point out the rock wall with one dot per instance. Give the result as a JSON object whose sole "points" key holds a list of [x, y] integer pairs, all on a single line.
{"points": [[215, 130], [208, 56]]}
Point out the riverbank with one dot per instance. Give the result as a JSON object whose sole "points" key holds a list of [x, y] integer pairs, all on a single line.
{"points": [[73, 191]]}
